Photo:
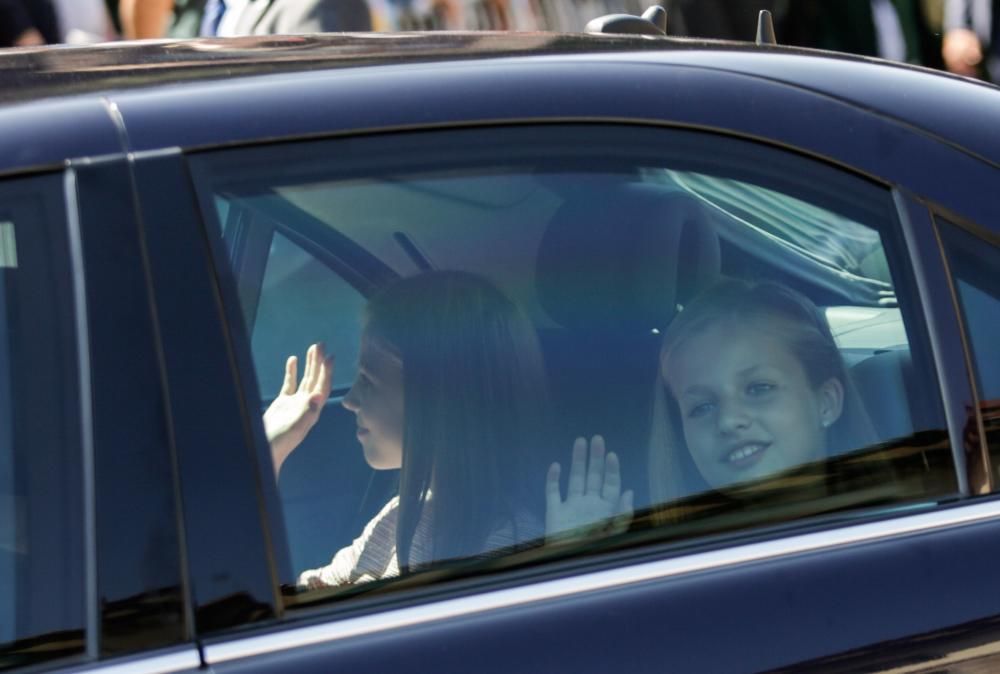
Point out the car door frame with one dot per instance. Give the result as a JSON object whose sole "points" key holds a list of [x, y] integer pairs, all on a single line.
{"points": [[348, 637]]}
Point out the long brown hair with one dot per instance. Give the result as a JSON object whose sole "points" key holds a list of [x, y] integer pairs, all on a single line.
{"points": [[807, 334], [474, 407]]}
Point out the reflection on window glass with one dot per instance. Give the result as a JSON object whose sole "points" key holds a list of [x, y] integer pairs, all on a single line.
{"points": [[9, 544], [302, 301], [698, 335], [973, 263], [803, 229], [222, 209], [41, 574]]}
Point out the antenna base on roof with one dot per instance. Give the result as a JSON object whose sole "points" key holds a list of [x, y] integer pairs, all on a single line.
{"points": [[765, 28], [652, 22]]}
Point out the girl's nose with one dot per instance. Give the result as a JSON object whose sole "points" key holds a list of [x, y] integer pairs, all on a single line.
{"points": [[732, 417], [350, 401]]}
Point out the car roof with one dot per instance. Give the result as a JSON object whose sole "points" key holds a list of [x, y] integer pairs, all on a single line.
{"points": [[931, 101]]}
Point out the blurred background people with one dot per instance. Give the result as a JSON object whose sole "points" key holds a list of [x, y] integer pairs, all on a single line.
{"points": [[151, 19], [268, 17], [972, 38], [187, 20], [904, 30], [144, 19], [721, 19], [27, 23], [890, 29], [84, 21]]}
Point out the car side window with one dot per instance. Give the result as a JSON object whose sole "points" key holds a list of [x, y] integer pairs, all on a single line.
{"points": [[973, 262], [294, 281], [578, 338], [42, 610], [288, 292]]}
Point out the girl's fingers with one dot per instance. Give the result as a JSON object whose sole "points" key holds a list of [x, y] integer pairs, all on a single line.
{"points": [[288, 386], [595, 475], [577, 469], [553, 499], [319, 366], [325, 378], [310, 370], [612, 478], [625, 506]]}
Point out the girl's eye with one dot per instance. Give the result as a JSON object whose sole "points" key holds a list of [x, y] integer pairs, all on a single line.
{"points": [[700, 410], [760, 388]]}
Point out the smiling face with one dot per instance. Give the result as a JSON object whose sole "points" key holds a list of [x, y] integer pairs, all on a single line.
{"points": [[746, 405], [376, 398]]}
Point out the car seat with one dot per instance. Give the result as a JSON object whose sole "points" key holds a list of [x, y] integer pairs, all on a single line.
{"points": [[613, 266], [882, 382]]}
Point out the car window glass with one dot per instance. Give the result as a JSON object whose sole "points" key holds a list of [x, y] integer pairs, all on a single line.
{"points": [[973, 262], [302, 296], [736, 324], [41, 503], [294, 294]]}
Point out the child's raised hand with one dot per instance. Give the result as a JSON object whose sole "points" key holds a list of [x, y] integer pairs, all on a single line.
{"points": [[594, 500], [293, 413]]}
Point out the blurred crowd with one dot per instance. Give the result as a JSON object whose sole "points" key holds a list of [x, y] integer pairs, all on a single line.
{"points": [[958, 35]]}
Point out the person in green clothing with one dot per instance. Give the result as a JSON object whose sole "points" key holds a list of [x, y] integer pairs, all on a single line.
{"points": [[186, 20], [150, 19], [892, 29]]}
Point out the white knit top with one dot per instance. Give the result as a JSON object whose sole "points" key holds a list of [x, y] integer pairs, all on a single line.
{"points": [[372, 555]]}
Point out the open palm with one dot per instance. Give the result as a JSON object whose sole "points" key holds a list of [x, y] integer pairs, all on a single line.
{"points": [[594, 499], [296, 410]]}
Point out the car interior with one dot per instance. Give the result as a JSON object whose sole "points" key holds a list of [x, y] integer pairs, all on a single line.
{"points": [[601, 255]]}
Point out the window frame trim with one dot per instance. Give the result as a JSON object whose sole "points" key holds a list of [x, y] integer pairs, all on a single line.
{"points": [[888, 531], [81, 325], [942, 220], [949, 347], [903, 206]]}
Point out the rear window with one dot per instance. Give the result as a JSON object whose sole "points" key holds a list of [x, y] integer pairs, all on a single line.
{"points": [[564, 340], [42, 575]]}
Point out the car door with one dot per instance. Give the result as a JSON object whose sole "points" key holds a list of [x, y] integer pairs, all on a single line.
{"points": [[92, 556], [897, 551]]}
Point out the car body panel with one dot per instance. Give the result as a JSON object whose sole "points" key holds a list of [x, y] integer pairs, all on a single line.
{"points": [[387, 98], [755, 615], [43, 136], [893, 594]]}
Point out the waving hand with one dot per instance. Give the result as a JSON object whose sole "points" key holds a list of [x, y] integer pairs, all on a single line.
{"points": [[296, 410], [594, 500]]}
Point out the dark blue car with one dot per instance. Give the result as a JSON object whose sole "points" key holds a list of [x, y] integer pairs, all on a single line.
{"points": [[744, 296]]}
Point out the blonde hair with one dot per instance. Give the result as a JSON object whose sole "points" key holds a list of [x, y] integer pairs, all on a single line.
{"points": [[800, 325]]}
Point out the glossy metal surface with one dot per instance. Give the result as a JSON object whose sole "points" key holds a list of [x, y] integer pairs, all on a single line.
{"points": [[80, 319], [912, 96], [140, 589], [186, 660], [889, 123], [558, 90], [231, 563], [44, 135], [46, 72], [884, 532], [947, 342]]}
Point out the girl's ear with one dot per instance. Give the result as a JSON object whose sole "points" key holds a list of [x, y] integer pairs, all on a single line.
{"points": [[831, 401]]}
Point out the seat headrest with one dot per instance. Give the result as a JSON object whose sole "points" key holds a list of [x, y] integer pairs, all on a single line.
{"points": [[622, 259], [881, 381]]}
